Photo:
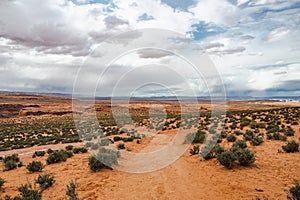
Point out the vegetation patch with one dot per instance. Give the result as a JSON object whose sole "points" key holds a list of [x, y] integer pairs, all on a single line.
{"points": [[291, 147], [45, 181], [35, 166]]}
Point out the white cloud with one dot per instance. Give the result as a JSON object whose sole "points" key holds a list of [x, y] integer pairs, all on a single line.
{"points": [[41, 48], [217, 11]]}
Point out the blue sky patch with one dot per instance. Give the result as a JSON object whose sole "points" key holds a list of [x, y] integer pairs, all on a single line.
{"points": [[179, 4], [145, 17], [203, 30]]}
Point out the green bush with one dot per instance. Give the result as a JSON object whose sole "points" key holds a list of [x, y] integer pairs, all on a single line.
{"points": [[117, 138], [105, 142], [240, 144], [49, 151], [226, 159], [10, 164], [69, 147], [71, 191], [195, 150], [28, 193], [209, 152], [256, 141], [108, 157], [39, 153], [45, 181], [197, 137], [35, 166], [248, 135], [130, 139], [238, 133], [291, 146], [218, 149], [94, 146], [80, 149], [20, 164], [2, 181], [278, 136], [245, 157], [231, 138], [290, 132], [58, 156], [294, 192], [121, 146], [13, 157], [95, 165]]}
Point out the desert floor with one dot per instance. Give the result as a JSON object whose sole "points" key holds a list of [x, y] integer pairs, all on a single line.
{"points": [[189, 177]]}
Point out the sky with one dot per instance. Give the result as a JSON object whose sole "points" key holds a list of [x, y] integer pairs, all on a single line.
{"points": [[253, 44]]}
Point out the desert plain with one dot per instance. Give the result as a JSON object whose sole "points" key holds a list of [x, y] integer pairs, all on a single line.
{"points": [[31, 123]]}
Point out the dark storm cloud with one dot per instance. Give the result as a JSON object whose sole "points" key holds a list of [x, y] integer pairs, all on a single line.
{"points": [[287, 86]]}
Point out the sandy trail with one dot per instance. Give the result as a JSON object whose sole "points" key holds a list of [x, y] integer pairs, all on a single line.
{"points": [[187, 178], [30, 151]]}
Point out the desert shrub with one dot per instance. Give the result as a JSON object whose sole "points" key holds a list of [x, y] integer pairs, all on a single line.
{"points": [[10, 164], [108, 157], [231, 138], [68, 153], [291, 146], [27, 192], [71, 191], [209, 152], [94, 146], [2, 181], [256, 141], [69, 147], [88, 144], [238, 133], [80, 149], [129, 139], [57, 156], [197, 137], [233, 126], [35, 166], [240, 144], [226, 159], [245, 157], [13, 157], [195, 150], [248, 135], [218, 149], [117, 138], [224, 134], [121, 146], [294, 192], [289, 132], [269, 136], [105, 142], [278, 136], [39, 153], [95, 165], [49, 151], [45, 181]]}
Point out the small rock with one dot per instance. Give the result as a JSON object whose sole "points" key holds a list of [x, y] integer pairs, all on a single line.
{"points": [[259, 189]]}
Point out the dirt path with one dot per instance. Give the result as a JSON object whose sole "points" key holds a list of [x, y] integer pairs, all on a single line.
{"points": [[30, 151]]}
